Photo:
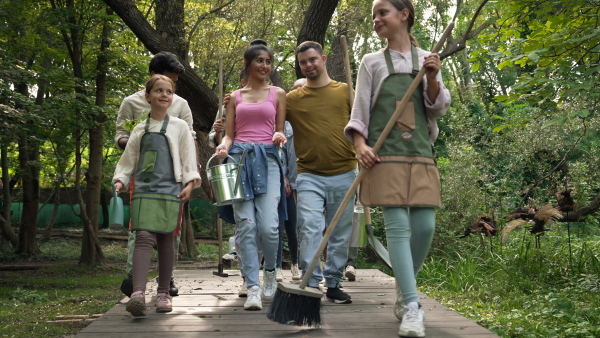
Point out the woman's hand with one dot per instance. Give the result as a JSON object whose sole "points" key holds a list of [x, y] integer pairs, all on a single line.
{"points": [[186, 192], [433, 64], [226, 99], [366, 157], [221, 151], [279, 139]]}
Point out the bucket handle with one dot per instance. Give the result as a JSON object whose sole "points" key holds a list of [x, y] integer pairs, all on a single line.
{"points": [[239, 173], [210, 159]]}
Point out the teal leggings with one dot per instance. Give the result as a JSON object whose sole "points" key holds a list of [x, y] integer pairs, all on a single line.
{"points": [[409, 234]]}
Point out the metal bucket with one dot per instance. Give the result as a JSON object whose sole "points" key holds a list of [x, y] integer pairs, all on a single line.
{"points": [[225, 181]]}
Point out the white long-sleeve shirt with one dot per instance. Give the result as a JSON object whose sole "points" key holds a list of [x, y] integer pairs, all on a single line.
{"points": [[181, 144], [371, 74], [135, 106]]}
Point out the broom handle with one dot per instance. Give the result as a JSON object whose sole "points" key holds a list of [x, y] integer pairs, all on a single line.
{"points": [[220, 111], [347, 68], [378, 145], [219, 115]]}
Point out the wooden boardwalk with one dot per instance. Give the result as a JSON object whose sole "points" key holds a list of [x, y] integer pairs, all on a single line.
{"points": [[208, 306]]}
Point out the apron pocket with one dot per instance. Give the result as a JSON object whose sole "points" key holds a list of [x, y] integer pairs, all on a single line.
{"points": [[425, 185], [385, 184], [155, 212], [397, 183], [406, 121], [149, 161]]}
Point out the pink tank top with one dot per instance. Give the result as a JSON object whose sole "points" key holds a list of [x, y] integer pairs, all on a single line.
{"points": [[255, 122]]}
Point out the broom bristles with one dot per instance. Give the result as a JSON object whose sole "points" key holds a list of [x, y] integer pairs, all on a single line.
{"points": [[294, 309]]}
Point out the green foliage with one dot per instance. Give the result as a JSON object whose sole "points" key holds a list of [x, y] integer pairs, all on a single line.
{"points": [[519, 290], [555, 45], [209, 252]]}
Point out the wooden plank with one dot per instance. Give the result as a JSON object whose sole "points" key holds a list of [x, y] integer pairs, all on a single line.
{"points": [[209, 306]]}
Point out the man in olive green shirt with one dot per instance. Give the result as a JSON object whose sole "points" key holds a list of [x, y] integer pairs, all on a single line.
{"points": [[318, 112]]}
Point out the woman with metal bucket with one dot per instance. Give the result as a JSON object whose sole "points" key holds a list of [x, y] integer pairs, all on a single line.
{"points": [[403, 177], [160, 154], [253, 113]]}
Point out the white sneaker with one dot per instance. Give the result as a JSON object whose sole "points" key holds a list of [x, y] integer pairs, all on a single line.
{"points": [[269, 284], [413, 322], [279, 277], [253, 302], [399, 308], [296, 275], [350, 273], [243, 290]]}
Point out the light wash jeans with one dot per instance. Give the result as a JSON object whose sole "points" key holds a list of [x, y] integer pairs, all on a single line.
{"points": [[318, 200], [236, 235], [409, 235], [259, 217]]}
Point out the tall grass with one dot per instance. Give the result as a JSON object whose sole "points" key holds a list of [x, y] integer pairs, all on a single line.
{"points": [[520, 290]]}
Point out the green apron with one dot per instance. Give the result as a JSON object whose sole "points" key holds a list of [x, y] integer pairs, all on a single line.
{"points": [[155, 206], [406, 175]]}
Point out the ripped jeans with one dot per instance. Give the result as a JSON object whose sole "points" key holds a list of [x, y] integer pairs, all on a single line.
{"points": [[259, 218]]}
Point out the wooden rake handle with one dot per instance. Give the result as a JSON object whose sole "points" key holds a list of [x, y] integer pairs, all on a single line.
{"points": [[376, 148]]}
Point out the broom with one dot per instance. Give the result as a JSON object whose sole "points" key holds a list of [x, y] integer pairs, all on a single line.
{"points": [[296, 304], [219, 271]]}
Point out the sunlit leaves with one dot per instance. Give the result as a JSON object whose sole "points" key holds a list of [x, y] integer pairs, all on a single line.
{"points": [[553, 44]]}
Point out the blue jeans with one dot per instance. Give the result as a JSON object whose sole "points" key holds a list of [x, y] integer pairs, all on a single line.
{"points": [[409, 235], [259, 218], [318, 200], [240, 259], [291, 230]]}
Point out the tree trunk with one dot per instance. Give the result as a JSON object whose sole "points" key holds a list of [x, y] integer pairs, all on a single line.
{"points": [[7, 230], [29, 167], [91, 242], [187, 246], [202, 100], [170, 25], [31, 196], [335, 59], [28, 162], [316, 21]]}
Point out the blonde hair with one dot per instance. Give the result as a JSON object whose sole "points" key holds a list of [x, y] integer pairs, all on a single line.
{"points": [[401, 5], [150, 83]]}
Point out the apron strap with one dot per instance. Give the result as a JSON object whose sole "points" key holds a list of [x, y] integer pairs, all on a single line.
{"points": [[163, 129], [388, 61], [415, 61]]}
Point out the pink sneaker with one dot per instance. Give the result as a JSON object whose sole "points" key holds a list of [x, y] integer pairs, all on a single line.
{"points": [[137, 304], [163, 302]]}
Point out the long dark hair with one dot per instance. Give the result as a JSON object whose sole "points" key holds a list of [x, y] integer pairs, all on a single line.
{"points": [[252, 51]]}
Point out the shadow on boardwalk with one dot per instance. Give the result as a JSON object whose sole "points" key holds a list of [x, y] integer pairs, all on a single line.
{"points": [[208, 306]]}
